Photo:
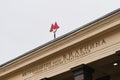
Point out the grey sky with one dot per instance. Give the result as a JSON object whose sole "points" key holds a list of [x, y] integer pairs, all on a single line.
{"points": [[25, 24]]}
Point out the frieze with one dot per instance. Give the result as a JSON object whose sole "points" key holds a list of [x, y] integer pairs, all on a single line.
{"points": [[81, 51]]}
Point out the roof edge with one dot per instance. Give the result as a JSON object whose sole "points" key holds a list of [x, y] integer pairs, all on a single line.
{"points": [[65, 35]]}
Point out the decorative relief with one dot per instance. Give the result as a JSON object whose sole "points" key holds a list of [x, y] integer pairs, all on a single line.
{"points": [[78, 52]]}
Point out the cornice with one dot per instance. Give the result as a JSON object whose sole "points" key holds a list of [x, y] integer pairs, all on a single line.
{"points": [[86, 31]]}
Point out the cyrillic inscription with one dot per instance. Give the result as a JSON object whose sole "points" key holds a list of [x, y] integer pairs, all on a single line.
{"points": [[82, 50]]}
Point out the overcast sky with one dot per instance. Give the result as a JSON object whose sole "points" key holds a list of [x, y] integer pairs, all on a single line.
{"points": [[25, 24]]}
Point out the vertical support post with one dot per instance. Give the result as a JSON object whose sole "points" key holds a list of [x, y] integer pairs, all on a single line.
{"points": [[104, 78], [82, 72], [45, 79], [118, 52]]}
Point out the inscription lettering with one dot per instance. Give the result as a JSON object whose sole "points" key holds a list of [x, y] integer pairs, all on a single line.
{"points": [[78, 52]]}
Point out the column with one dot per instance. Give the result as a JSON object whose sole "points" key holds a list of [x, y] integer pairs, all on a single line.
{"points": [[45, 79], [82, 72], [104, 78], [118, 52]]}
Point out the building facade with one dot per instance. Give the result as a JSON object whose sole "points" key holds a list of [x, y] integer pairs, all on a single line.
{"points": [[91, 52]]}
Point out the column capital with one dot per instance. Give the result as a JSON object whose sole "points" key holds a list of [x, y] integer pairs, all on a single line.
{"points": [[118, 52], [82, 68], [82, 72], [45, 79]]}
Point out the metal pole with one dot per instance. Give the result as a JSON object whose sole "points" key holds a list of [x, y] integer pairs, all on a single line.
{"points": [[54, 34]]}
